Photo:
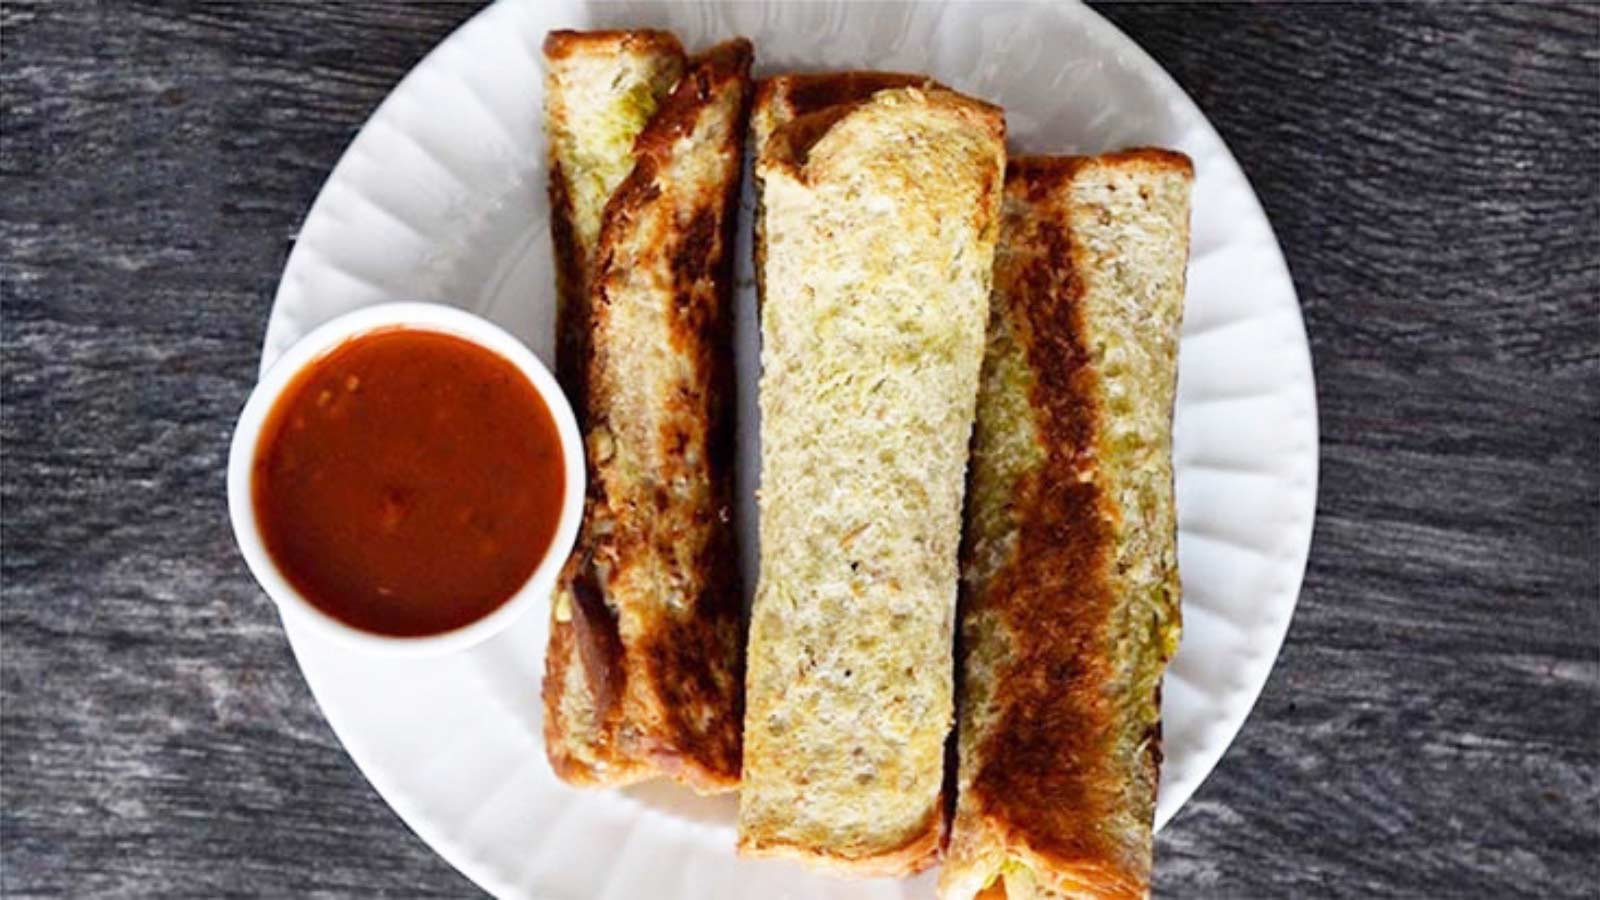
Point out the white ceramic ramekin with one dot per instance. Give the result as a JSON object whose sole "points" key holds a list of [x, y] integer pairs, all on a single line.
{"points": [[426, 317]]}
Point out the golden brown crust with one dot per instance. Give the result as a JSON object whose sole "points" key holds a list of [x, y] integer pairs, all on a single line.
{"points": [[788, 145], [563, 43], [782, 98], [665, 690], [797, 94], [1044, 782], [1037, 176], [604, 762], [572, 262], [916, 855]]}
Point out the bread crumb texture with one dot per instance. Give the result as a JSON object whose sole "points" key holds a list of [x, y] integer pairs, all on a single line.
{"points": [[878, 266], [599, 95], [643, 674], [1070, 580]]}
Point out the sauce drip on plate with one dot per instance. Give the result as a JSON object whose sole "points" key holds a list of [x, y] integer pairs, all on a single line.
{"points": [[409, 482]]}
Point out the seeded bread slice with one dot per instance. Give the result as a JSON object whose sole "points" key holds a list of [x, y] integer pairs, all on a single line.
{"points": [[1070, 579], [880, 219], [601, 89], [644, 669]]}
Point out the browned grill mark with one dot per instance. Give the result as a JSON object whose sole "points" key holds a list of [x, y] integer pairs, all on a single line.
{"points": [[1056, 589], [808, 93], [690, 660]]}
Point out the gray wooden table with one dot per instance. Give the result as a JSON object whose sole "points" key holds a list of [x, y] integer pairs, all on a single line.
{"points": [[1432, 728]]}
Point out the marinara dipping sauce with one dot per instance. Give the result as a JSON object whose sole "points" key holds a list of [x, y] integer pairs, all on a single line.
{"points": [[409, 482]]}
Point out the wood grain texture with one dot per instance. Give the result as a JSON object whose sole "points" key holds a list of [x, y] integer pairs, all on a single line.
{"points": [[1432, 728]]}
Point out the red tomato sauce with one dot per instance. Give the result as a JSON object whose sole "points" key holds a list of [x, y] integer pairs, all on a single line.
{"points": [[409, 482]]}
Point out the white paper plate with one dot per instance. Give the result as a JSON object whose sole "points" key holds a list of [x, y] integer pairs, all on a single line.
{"points": [[441, 197]]}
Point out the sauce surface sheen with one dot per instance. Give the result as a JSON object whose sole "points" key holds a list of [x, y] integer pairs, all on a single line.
{"points": [[409, 482]]}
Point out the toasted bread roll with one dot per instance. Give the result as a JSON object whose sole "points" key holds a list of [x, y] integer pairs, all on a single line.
{"points": [[781, 99], [1070, 571], [643, 675], [601, 88], [880, 223]]}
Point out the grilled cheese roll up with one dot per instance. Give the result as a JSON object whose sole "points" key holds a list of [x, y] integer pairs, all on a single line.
{"points": [[601, 89], [1070, 574], [880, 220], [783, 98], [644, 669]]}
